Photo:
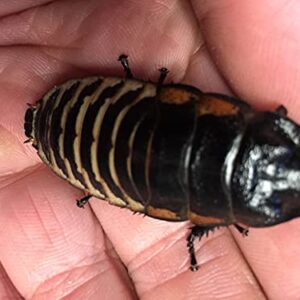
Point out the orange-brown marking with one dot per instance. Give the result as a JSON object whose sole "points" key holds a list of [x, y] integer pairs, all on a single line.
{"points": [[175, 95], [204, 220], [218, 107], [162, 213]]}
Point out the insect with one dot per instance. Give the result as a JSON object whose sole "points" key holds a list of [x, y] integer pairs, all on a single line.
{"points": [[170, 151]]}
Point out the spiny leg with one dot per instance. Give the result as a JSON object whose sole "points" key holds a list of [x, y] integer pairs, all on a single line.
{"points": [[244, 231], [163, 74], [197, 231], [162, 77], [124, 61], [281, 111], [81, 203]]}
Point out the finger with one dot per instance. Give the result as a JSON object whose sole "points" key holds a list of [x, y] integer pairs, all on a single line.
{"points": [[51, 248], [57, 54], [252, 51], [255, 45], [157, 259], [274, 256], [102, 31], [22, 82], [7, 289], [44, 55], [13, 7]]}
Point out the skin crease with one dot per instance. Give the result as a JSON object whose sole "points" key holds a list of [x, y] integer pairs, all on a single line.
{"points": [[49, 248]]}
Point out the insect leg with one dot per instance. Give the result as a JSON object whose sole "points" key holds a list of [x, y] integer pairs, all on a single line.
{"points": [[83, 201], [281, 111], [163, 74], [244, 231], [197, 231], [124, 61]]}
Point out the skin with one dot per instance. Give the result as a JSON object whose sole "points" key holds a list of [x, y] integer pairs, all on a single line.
{"points": [[49, 248]]}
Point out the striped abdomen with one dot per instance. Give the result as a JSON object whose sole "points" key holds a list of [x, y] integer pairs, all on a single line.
{"points": [[148, 150]]}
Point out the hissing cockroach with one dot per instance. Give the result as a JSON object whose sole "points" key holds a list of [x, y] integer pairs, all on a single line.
{"points": [[170, 151]]}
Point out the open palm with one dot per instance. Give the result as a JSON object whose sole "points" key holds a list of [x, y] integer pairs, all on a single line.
{"points": [[50, 249]]}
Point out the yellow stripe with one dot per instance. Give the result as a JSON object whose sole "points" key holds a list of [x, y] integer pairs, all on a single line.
{"points": [[89, 100], [108, 82], [63, 122], [77, 143], [149, 90], [42, 104], [52, 162]]}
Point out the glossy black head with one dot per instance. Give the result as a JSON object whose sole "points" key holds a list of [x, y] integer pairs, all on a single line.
{"points": [[265, 184]]}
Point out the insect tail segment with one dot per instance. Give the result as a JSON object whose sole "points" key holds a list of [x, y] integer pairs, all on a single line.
{"points": [[28, 124]]}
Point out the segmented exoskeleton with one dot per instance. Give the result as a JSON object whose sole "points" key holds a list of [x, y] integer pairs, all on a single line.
{"points": [[169, 151]]}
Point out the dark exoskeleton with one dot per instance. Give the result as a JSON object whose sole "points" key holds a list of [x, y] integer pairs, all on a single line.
{"points": [[170, 151]]}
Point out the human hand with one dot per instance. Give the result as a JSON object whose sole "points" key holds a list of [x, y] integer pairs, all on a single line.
{"points": [[51, 249]]}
